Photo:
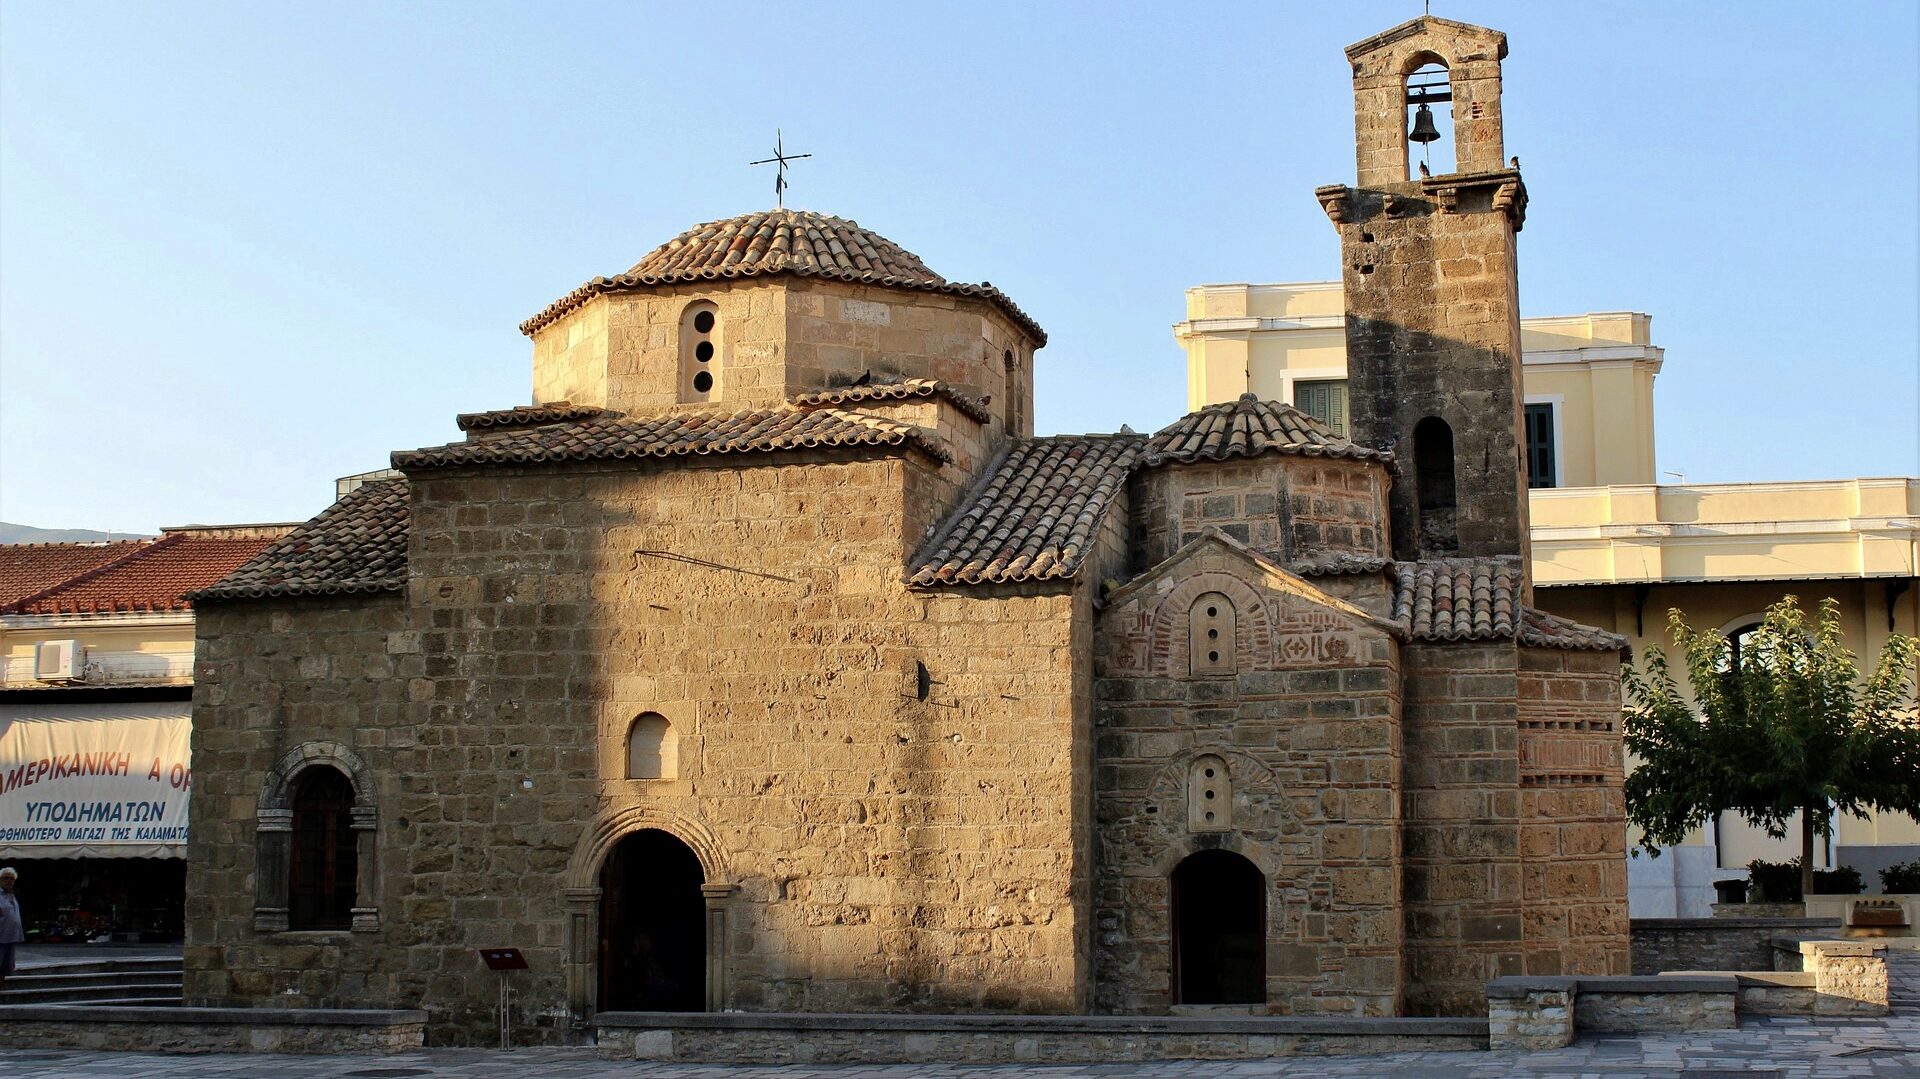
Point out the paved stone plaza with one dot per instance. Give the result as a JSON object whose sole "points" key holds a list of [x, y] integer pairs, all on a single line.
{"points": [[1763, 1049]]}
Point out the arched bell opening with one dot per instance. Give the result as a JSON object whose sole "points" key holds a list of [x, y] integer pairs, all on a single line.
{"points": [[653, 926], [1429, 118], [1433, 463], [1219, 930]]}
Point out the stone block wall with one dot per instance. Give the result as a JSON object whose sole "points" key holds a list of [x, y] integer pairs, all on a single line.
{"points": [[1663, 944], [868, 850], [1573, 813], [1287, 507], [1307, 728], [270, 676], [782, 336], [1465, 890]]}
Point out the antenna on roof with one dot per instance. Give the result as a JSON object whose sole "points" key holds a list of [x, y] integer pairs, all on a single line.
{"points": [[779, 173]]}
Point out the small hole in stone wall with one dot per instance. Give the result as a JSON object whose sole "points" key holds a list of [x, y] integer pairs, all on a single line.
{"points": [[1209, 794], [1368, 268], [1366, 237], [1209, 773], [703, 322], [1213, 657], [703, 381], [1209, 814], [1153, 811], [1213, 612], [1213, 634], [703, 351]]}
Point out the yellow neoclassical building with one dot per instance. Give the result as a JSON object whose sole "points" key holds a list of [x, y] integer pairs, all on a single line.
{"points": [[1611, 547]]}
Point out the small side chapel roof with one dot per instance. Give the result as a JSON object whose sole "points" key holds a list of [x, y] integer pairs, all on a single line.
{"points": [[902, 390], [358, 544], [1474, 599], [782, 241], [1249, 427]]}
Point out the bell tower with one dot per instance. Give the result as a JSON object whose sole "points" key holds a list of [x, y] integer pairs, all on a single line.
{"points": [[1432, 297]]}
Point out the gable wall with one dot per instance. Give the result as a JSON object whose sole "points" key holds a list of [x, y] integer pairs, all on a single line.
{"points": [[1286, 506], [1310, 727]]}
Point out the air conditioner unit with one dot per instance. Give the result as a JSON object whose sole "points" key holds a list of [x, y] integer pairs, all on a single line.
{"points": [[59, 661]]}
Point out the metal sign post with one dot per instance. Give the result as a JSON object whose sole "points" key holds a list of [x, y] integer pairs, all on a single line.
{"points": [[504, 960]]}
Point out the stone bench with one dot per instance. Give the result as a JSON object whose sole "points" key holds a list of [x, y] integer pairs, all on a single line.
{"points": [[1543, 1013], [792, 1038], [212, 1030]]}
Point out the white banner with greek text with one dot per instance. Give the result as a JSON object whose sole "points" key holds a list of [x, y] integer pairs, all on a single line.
{"points": [[105, 780]]}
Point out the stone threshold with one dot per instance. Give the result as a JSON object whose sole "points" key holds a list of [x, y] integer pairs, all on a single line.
{"points": [[1054, 1024], [822, 1038]]}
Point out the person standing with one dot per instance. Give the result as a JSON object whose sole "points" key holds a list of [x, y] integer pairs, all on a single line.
{"points": [[12, 932]]}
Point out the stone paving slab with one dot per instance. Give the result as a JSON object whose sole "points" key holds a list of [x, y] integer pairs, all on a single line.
{"points": [[1785, 1048]]}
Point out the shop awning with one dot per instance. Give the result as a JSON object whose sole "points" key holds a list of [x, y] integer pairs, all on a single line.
{"points": [[94, 780]]}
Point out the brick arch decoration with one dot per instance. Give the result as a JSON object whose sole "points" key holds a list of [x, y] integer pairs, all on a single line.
{"points": [[581, 884], [1255, 828], [1253, 624], [273, 835]]}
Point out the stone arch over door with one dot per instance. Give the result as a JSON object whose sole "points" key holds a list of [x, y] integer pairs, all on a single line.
{"points": [[581, 885], [273, 834], [1253, 623]]}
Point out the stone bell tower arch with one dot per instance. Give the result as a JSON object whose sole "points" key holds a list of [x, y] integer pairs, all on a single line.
{"points": [[1432, 294]]}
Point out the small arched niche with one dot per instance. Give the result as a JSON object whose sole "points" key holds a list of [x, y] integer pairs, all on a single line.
{"points": [[1210, 635], [1434, 479], [653, 748], [1209, 795], [1429, 117], [700, 358]]}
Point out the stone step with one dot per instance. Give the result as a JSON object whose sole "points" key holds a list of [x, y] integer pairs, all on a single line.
{"points": [[111, 992], [99, 966], [92, 978]]}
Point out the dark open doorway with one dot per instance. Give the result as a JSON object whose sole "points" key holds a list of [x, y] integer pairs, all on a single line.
{"points": [[653, 941], [1219, 930]]}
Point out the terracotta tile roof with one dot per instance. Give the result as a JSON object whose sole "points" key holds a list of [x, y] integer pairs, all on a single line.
{"points": [[1542, 630], [797, 242], [905, 389], [1472, 599], [1246, 428], [526, 415], [1458, 599], [28, 569], [1034, 516], [158, 577], [358, 544], [612, 436]]}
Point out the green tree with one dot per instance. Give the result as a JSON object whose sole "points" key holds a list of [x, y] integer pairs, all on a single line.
{"points": [[1784, 724]]}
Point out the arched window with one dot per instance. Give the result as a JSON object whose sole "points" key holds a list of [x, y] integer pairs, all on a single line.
{"points": [[1219, 930], [1209, 795], [1210, 636], [1433, 470], [323, 863], [653, 750], [1429, 119], [700, 356]]}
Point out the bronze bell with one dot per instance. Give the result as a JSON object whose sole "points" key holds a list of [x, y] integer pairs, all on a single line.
{"points": [[1423, 129]]}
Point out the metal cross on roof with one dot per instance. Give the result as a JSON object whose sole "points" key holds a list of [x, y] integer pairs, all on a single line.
{"points": [[779, 173]]}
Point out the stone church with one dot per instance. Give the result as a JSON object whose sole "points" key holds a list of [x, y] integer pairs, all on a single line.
{"points": [[769, 661]]}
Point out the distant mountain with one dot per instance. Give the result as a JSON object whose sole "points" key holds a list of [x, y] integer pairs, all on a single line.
{"points": [[13, 533]]}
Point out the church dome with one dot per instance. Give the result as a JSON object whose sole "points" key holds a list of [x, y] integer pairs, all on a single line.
{"points": [[797, 242], [790, 241]]}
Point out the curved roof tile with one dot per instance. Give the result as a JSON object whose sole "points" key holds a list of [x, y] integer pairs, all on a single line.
{"points": [[902, 390], [358, 544], [1034, 517]]}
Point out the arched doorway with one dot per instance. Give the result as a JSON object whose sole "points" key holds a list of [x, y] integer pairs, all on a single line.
{"points": [[653, 940], [1219, 930]]}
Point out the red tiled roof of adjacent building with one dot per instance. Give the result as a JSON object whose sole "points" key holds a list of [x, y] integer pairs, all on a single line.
{"points": [[137, 576], [28, 569]]}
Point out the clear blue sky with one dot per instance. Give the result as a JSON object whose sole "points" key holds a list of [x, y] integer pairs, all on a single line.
{"points": [[246, 248]]}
